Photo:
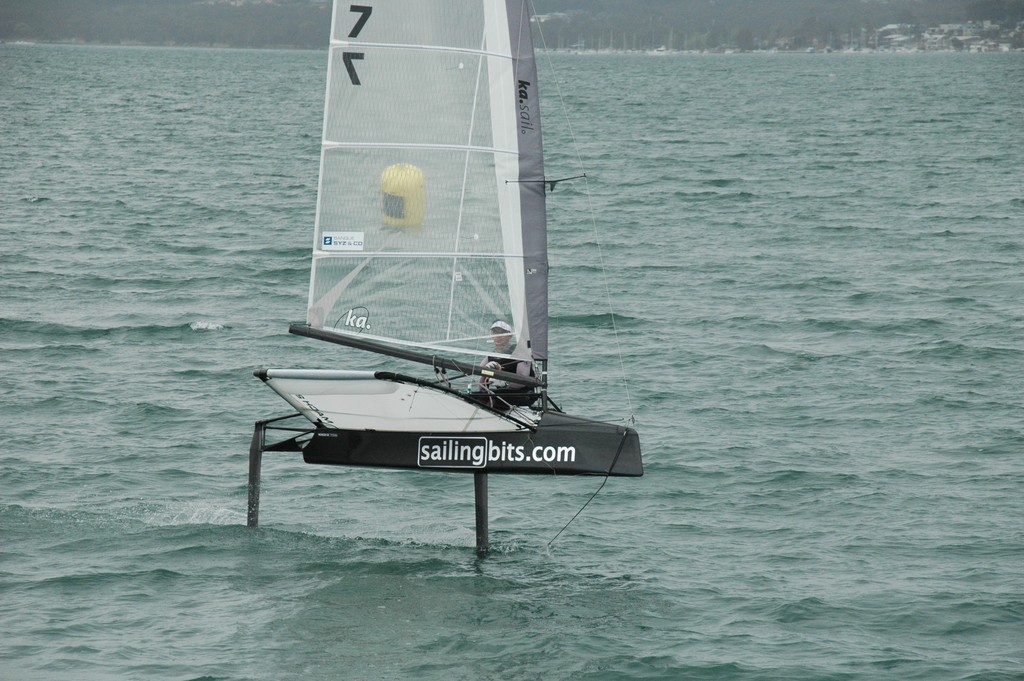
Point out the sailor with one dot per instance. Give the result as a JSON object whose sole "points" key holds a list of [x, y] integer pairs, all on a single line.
{"points": [[511, 394]]}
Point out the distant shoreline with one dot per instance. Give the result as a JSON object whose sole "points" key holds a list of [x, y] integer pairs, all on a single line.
{"points": [[78, 43], [594, 53]]}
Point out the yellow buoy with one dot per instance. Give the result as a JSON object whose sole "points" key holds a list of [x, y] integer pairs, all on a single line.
{"points": [[402, 195]]}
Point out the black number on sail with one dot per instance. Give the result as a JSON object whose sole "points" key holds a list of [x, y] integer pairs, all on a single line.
{"points": [[364, 13], [347, 57]]}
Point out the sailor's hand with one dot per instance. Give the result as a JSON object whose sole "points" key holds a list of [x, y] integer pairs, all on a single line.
{"points": [[493, 366]]}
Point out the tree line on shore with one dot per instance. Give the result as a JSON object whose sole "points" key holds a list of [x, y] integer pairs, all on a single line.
{"points": [[590, 24], [750, 24]]}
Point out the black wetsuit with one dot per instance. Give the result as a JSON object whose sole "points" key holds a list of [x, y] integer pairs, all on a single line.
{"points": [[512, 395]]}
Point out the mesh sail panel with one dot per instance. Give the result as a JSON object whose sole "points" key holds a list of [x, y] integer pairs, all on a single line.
{"points": [[420, 205]]}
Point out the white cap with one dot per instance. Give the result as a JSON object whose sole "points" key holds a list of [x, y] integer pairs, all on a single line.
{"points": [[504, 326]]}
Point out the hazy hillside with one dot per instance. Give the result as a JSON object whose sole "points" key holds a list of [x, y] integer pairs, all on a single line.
{"points": [[642, 24], [716, 22]]}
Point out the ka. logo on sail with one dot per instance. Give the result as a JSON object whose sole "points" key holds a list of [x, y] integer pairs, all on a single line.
{"points": [[358, 318]]}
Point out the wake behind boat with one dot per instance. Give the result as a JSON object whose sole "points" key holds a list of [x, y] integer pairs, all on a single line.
{"points": [[431, 247]]}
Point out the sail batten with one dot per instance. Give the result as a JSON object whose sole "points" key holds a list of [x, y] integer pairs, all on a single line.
{"points": [[454, 254], [425, 229], [408, 145], [424, 48]]}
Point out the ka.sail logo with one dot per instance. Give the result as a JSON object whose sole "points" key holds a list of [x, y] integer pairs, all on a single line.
{"points": [[357, 318], [525, 112]]}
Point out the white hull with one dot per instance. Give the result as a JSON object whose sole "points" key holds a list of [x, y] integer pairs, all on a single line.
{"points": [[359, 400]]}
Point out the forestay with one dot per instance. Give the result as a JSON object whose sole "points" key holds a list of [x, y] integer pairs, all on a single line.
{"points": [[430, 216]]}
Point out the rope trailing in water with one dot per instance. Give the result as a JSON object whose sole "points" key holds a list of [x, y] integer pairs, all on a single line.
{"points": [[607, 475]]}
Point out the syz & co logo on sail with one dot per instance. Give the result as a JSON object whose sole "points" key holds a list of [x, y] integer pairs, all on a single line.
{"points": [[342, 241]]}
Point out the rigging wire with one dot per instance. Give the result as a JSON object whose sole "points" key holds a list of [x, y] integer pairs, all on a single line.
{"points": [[593, 218], [604, 272]]}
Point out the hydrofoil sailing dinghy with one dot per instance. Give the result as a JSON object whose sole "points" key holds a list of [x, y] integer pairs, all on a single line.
{"points": [[430, 230]]}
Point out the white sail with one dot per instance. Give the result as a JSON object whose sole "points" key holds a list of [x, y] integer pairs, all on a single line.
{"points": [[431, 165]]}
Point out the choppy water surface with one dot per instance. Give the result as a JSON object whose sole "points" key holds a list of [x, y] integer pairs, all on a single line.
{"points": [[816, 265]]}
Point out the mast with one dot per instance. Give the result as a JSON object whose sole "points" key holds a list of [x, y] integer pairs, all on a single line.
{"points": [[533, 208]]}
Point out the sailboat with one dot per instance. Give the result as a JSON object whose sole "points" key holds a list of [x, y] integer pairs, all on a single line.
{"points": [[430, 246]]}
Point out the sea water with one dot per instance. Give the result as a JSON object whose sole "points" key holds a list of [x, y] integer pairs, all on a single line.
{"points": [[815, 268]]}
